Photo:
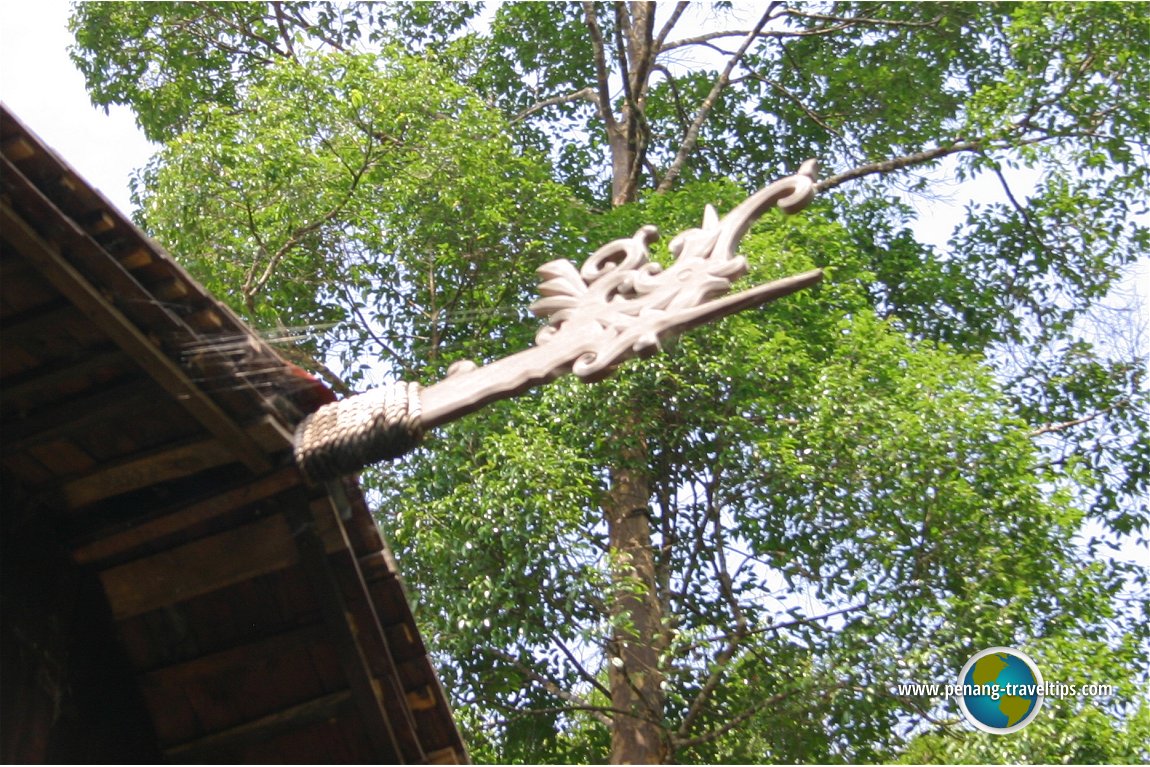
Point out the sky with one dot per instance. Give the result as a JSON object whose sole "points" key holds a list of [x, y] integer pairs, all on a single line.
{"points": [[39, 83]]}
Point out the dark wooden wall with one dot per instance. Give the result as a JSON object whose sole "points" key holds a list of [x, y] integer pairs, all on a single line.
{"points": [[67, 694]]}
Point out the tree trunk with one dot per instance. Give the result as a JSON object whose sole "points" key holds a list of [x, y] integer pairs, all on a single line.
{"points": [[636, 679], [623, 158], [627, 141]]}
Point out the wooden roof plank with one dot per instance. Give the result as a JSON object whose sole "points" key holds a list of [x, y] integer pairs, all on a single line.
{"points": [[225, 746], [18, 148], [23, 291], [168, 463], [48, 317], [262, 677], [449, 755], [170, 524], [232, 658], [134, 258], [31, 387], [245, 689], [165, 371], [208, 564], [75, 415], [62, 457]]}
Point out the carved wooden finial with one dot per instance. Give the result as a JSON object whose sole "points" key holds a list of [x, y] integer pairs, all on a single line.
{"points": [[618, 305]]}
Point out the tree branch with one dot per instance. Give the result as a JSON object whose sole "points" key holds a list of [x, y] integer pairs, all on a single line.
{"points": [[310, 363], [633, 39], [731, 723], [776, 627], [699, 545], [553, 687], [622, 32], [583, 672], [928, 155], [314, 29], [642, 50], [703, 38], [855, 20], [692, 137], [897, 163], [1057, 427], [907, 701], [840, 23], [584, 94], [721, 662], [723, 659], [680, 7], [245, 31], [1027, 222], [253, 285], [190, 27], [676, 97], [810, 113], [281, 23], [365, 326], [602, 75]]}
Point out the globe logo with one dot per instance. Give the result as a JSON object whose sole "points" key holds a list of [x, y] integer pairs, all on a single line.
{"points": [[1000, 690]]}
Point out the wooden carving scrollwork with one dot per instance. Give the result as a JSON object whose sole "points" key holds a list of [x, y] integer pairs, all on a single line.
{"points": [[623, 304], [618, 305]]}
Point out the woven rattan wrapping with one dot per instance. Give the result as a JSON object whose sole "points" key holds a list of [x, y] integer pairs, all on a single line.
{"points": [[347, 436]]}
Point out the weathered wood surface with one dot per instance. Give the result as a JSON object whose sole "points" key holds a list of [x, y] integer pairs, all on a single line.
{"points": [[228, 745], [209, 564], [167, 525]]}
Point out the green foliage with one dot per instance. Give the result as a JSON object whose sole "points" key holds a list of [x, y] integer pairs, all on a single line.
{"points": [[829, 454], [1102, 729], [165, 59], [343, 190]]}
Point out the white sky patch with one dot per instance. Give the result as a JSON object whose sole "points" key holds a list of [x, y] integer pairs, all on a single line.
{"points": [[41, 85]]}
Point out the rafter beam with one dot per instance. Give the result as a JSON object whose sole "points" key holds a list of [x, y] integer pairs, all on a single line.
{"points": [[392, 737], [168, 525], [224, 746]]}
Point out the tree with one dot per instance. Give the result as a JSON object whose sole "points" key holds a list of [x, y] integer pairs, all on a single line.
{"points": [[727, 553], [357, 202]]}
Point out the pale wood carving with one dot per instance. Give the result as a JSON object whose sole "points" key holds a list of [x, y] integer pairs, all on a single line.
{"points": [[621, 305]]}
